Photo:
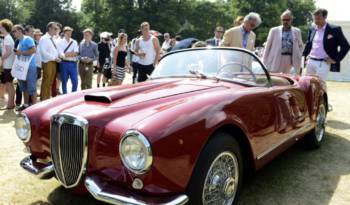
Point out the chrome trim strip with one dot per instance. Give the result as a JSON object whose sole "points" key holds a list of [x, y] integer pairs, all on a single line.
{"points": [[293, 135], [67, 118], [41, 171], [97, 192], [60, 121]]}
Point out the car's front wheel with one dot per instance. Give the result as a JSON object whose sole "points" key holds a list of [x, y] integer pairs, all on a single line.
{"points": [[217, 177]]}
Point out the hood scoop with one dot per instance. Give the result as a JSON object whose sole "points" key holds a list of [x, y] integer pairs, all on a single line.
{"points": [[97, 98], [108, 96]]}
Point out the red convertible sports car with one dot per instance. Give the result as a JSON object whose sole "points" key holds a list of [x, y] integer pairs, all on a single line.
{"points": [[188, 135]]}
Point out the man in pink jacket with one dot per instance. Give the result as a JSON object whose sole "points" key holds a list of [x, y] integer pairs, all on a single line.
{"points": [[284, 47]]}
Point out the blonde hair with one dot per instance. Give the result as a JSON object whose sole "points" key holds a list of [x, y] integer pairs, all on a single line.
{"points": [[120, 37], [7, 24], [144, 24], [238, 21]]}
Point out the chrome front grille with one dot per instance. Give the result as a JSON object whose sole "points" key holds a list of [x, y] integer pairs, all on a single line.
{"points": [[69, 148]]}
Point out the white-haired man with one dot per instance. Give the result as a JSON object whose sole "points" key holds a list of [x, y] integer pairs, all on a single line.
{"points": [[243, 36], [284, 46]]}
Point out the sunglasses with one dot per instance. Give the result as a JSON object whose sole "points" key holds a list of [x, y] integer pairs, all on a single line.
{"points": [[286, 20]]}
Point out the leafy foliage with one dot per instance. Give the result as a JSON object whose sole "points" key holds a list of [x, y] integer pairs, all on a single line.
{"points": [[270, 11], [188, 18]]}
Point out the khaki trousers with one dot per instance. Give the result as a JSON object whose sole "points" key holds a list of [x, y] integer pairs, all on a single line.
{"points": [[286, 64], [85, 73], [49, 73]]}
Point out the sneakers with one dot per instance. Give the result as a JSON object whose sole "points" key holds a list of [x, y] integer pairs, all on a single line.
{"points": [[21, 108]]}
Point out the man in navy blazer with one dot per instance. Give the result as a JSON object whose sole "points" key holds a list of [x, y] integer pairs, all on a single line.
{"points": [[216, 41], [326, 46]]}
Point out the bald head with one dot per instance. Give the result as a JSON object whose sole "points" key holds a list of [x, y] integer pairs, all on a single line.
{"points": [[287, 19]]}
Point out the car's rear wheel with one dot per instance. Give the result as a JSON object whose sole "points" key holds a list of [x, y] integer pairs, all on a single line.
{"points": [[315, 138], [217, 177]]}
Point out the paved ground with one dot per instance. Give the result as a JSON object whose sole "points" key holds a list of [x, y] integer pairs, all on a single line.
{"points": [[297, 177]]}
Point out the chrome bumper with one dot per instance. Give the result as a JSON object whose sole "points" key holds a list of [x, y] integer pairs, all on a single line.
{"points": [[114, 196], [41, 171]]}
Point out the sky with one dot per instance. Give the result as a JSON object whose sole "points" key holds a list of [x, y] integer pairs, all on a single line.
{"points": [[337, 9]]}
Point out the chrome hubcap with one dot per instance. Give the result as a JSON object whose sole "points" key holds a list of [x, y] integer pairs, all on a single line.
{"points": [[220, 184], [320, 123], [229, 187]]}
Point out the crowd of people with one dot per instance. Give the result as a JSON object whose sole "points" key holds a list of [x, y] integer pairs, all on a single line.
{"points": [[55, 58]]}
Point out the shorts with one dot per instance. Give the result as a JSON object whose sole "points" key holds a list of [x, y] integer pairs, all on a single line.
{"points": [[6, 76], [29, 85]]}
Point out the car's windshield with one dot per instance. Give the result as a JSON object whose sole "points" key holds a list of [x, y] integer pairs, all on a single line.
{"points": [[234, 65]]}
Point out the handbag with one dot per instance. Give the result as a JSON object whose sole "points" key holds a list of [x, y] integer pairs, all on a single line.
{"points": [[20, 67], [107, 68]]}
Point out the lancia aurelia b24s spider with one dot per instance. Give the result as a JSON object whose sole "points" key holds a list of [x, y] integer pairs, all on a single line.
{"points": [[188, 135]]}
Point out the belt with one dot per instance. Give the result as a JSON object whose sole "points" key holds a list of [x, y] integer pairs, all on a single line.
{"points": [[286, 54], [317, 59], [67, 61], [85, 63]]}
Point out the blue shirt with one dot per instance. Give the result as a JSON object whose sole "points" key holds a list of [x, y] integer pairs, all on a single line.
{"points": [[287, 42], [88, 49], [25, 44], [245, 35]]}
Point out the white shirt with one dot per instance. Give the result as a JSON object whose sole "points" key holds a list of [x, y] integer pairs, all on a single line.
{"points": [[47, 49], [8, 41], [148, 48], [135, 58], [114, 43], [217, 41], [166, 45], [62, 44], [38, 57]]}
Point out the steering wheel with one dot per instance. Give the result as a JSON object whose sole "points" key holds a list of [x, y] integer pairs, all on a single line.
{"points": [[232, 75]]}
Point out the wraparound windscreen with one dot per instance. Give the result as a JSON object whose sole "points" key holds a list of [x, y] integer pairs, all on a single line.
{"points": [[234, 65]]}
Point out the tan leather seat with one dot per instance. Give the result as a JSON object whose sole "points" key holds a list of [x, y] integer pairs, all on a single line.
{"points": [[279, 81], [275, 80]]}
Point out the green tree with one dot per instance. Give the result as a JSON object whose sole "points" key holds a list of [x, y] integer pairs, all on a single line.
{"points": [[9, 9], [188, 18], [204, 16], [42, 11], [302, 11], [270, 11]]}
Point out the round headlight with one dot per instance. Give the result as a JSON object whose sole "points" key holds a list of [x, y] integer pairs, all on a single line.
{"points": [[135, 152], [23, 130]]}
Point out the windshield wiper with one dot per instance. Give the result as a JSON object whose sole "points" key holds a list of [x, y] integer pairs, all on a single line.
{"points": [[199, 74]]}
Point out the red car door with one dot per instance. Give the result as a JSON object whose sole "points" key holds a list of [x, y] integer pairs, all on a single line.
{"points": [[292, 113]]}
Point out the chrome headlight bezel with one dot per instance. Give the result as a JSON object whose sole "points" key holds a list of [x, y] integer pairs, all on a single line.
{"points": [[148, 157], [27, 136]]}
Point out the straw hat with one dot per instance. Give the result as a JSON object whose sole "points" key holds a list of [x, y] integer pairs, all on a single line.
{"points": [[37, 32], [88, 30], [67, 28]]}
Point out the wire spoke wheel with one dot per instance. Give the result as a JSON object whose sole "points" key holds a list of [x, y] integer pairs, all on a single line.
{"points": [[221, 182], [320, 123]]}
